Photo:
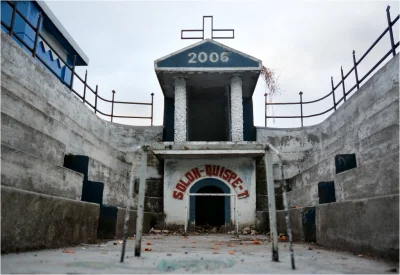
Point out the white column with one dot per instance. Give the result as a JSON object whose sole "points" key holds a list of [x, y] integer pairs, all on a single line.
{"points": [[236, 109], [180, 110]]}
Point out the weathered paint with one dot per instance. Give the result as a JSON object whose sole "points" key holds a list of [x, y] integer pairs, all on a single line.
{"points": [[236, 109], [180, 110], [214, 171], [175, 169], [207, 54]]}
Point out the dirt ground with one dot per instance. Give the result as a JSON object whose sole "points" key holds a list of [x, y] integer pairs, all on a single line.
{"points": [[217, 253]]}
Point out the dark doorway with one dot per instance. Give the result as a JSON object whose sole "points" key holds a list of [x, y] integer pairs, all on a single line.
{"points": [[208, 114], [210, 210]]}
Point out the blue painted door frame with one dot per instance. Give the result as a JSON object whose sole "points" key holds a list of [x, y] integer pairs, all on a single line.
{"points": [[210, 182]]}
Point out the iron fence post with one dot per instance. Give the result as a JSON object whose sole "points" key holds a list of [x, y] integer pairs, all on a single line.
{"points": [[37, 35], [355, 69], [13, 18], [72, 74], [333, 93], [84, 87], [301, 107], [112, 105], [265, 108], [95, 99], [344, 87], [390, 30], [152, 101]]}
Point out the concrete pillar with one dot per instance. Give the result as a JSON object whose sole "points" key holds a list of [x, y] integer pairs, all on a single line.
{"points": [[180, 110], [236, 109]]}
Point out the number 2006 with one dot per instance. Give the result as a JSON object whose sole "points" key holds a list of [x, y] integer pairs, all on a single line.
{"points": [[203, 57]]}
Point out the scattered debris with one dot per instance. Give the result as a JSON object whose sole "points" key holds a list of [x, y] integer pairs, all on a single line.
{"points": [[231, 244], [282, 237], [147, 249], [69, 251], [231, 252], [256, 241], [246, 231], [194, 242], [148, 243]]}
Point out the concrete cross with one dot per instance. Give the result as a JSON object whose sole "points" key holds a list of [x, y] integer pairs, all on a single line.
{"points": [[232, 31]]}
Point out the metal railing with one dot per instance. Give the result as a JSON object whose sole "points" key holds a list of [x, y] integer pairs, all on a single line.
{"points": [[74, 75], [356, 62]]}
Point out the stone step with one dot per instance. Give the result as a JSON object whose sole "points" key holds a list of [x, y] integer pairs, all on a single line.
{"points": [[22, 137], [365, 226], [379, 178], [32, 221], [43, 117], [27, 172]]}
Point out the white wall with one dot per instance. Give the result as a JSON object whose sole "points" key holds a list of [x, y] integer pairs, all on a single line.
{"points": [[175, 169]]}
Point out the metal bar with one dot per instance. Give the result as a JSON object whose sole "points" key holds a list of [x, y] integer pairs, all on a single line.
{"points": [[355, 69], [37, 35], [140, 205], [265, 108], [84, 86], [72, 73], [152, 102], [287, 218], [390, 30], [236, 216], [95, 99], [376, 65], [373, 45], [301, 107], [14, 5], [112, 105], [187, 202], [333, 94], [344, 88], [271, 205], [129, 203]]}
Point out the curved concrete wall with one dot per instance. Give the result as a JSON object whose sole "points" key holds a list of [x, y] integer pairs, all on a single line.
{"points": [[34, 98], [366, 125]]}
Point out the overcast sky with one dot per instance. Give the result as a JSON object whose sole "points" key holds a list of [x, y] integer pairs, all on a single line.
{"points": [[304, 42]]}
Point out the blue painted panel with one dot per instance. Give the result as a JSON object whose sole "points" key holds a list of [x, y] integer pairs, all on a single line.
{"points": [[209, 182], [207, 55], [21, 29], [6, 12]]}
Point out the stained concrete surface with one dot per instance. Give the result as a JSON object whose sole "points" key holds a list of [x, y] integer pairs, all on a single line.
{"points": [[194, 254]]}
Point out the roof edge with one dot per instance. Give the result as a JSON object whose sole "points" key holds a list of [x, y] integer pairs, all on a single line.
{"points": [[42, 4]]}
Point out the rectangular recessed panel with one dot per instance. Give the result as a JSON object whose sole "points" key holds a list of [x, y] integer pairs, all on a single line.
{"points": [[326, 192], [345, 162]]}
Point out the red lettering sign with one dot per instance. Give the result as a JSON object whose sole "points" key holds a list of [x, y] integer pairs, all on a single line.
{"points": [[214, 171]]}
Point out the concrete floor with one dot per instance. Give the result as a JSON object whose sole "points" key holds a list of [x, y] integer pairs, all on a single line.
{"points": [[194, 254]]}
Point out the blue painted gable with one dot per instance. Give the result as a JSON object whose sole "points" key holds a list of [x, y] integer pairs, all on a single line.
{"points": [[208, 55]]}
